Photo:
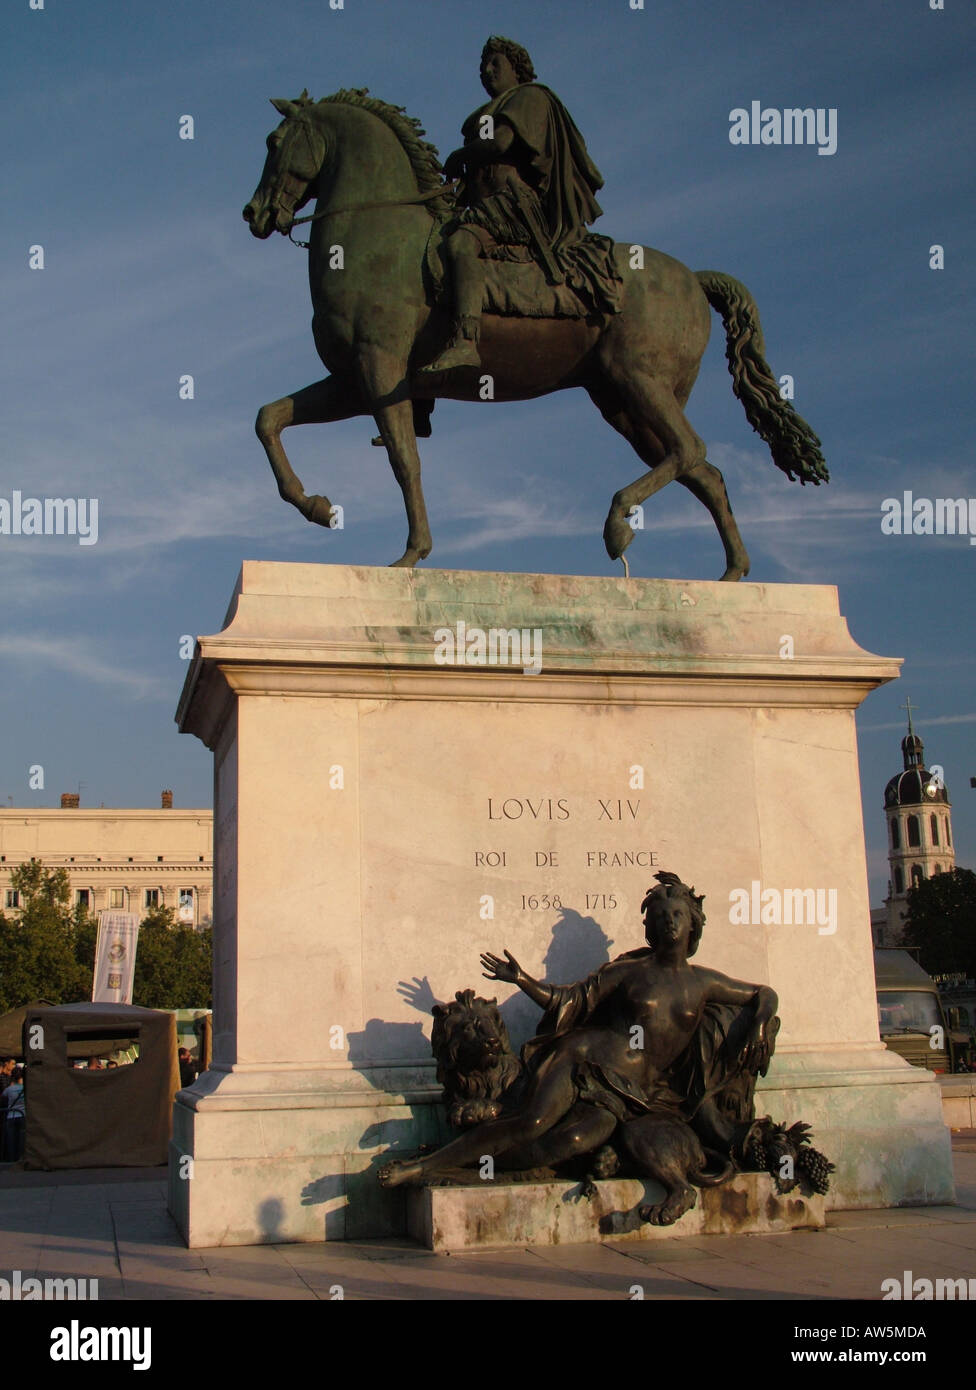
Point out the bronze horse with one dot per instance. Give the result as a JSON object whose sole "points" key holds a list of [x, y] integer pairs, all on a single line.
{"points": [[380, 197]]}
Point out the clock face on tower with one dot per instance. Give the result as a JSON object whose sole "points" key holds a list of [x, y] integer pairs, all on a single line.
{"points": [[931, 789]]}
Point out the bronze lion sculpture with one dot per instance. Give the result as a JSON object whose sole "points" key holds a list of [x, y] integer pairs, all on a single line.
{"points": [[475, 1062]]}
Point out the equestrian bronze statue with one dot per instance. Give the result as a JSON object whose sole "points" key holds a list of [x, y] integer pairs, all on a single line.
{"points": [[491, 285]]}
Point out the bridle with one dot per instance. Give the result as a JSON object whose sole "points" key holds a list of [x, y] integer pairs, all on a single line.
{"points": [[418, 198], [279, 205]]}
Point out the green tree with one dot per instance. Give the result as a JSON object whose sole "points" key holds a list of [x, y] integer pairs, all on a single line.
{"points": [[174, 963], [41, 951], [942, 922], [48, 952]]}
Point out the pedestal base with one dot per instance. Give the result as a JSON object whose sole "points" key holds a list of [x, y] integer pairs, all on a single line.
{"points": [[485, 1216], [414, 767], [293, 1156]]}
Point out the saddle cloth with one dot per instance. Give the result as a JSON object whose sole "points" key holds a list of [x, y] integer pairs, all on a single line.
{"points": [[513, 287]]}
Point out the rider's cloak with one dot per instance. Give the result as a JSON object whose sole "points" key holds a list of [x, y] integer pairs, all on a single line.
{"points": [[558, 166], [559, 180]]}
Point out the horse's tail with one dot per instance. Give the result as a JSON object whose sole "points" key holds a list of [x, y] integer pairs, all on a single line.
{"points": [[723, 1169], [794, 446]]}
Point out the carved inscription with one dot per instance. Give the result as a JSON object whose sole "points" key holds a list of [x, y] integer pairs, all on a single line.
{"points": [[570, 863]]}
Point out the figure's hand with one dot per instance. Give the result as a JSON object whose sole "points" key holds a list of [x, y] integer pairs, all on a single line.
{"points": [[756, 1053], [497, 969], [454, 165]]}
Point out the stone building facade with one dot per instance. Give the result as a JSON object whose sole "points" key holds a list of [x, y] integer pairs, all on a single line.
{"points": [[130, 860]]}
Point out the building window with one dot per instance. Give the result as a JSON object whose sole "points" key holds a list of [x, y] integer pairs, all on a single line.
{"points": [[899, 880], [895, 836], [13, 897], [917, 875], [938, 868], [152, 897], [948, 834], [186, 905], [116, 897], [935, 829], [83, 897], [914, 835]]}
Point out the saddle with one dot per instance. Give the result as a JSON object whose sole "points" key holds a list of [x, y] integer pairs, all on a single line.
{"points": [[515, 284]]}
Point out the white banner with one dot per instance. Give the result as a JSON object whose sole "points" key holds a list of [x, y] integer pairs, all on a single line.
{"points": [[115, 957]]}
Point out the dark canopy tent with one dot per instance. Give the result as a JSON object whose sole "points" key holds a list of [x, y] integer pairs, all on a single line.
{"points": [[99, 1119], [11, 1028]]}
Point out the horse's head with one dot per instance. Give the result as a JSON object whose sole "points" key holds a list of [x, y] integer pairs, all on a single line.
{"points": [[296, 150]]}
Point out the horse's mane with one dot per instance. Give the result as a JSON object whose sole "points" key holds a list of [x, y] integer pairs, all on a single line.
{"points": [[422, 154]]}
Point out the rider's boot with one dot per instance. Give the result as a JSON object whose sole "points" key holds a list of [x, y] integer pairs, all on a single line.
{"points": [[468, 275], [461, 351]]}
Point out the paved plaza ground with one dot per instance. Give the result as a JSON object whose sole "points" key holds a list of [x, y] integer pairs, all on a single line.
{"points": [[114, 1227]]}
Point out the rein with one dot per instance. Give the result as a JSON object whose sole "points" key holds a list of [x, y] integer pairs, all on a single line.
{"points": [[363, 207]]}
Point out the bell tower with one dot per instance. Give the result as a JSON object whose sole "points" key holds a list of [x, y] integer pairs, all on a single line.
{"points": [[919, 821]]}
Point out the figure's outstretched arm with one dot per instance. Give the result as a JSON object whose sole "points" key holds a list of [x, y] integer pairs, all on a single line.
{"points": [[582, 997], [512, 973]]}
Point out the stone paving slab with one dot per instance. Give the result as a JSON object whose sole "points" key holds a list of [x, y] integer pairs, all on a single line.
{"points": [[116, 1229], [16, 1176]]}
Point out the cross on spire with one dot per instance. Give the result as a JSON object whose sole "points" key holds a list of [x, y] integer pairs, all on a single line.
{"points": [[908, 705]]}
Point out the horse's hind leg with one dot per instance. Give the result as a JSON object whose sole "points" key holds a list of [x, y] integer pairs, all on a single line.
{"points": [[707, 484], [646, 413], [318, 404], [664, 440]]}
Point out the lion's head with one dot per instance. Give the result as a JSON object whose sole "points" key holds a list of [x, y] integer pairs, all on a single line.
{"points": [[475, 1062]]}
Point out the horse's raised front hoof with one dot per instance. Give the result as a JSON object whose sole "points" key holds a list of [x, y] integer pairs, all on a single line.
{"points": [[397, 1172], [319, 510], [617, 535]]}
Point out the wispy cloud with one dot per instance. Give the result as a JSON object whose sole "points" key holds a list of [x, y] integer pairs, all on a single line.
{"points": [[74, 657], [937, 719]]}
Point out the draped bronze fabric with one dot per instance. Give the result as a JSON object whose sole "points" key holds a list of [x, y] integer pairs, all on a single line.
{"points": [[707, 1066], [550, 158]]}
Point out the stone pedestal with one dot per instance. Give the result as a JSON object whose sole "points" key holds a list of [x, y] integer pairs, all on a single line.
{"points": [[488, 1216], [398, 789]]}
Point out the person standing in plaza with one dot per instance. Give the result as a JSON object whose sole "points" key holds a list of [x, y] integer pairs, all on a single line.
{"points": [[14, 1117]]}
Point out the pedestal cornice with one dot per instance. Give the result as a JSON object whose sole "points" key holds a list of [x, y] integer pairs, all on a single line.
{"points": [[354, 632]]}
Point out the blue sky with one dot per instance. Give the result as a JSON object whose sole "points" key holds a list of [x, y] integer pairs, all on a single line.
{"points": [[150, 273]]}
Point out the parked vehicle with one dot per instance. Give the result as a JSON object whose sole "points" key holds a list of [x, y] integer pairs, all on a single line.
{"points": [[910, 1016]]}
